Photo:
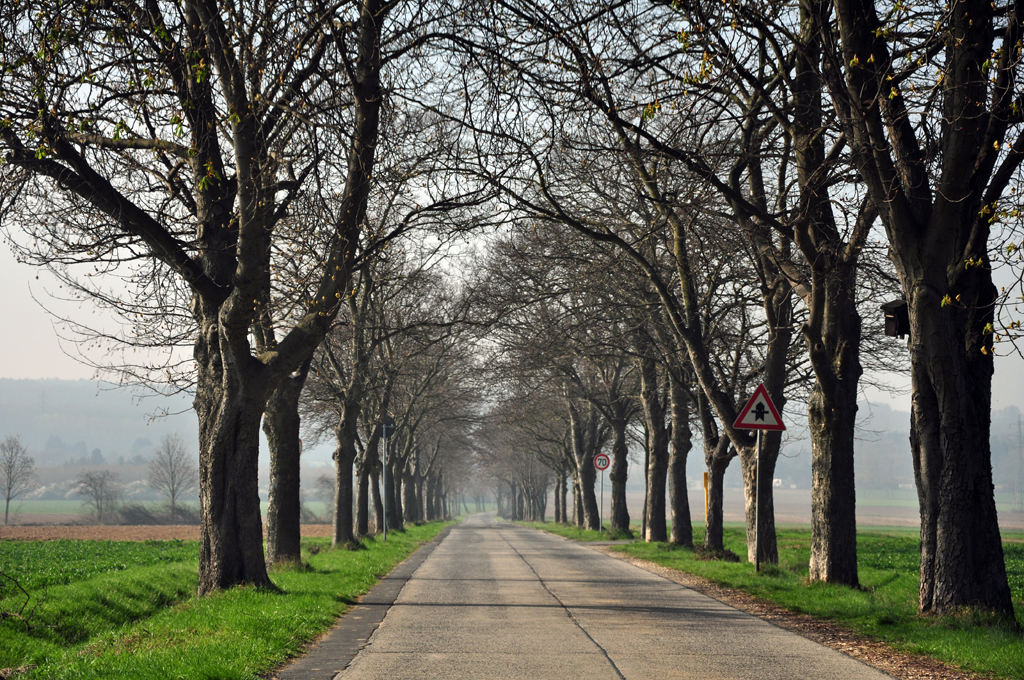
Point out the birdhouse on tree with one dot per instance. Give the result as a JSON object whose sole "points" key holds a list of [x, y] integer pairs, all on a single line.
{"points": [[897, 318]]}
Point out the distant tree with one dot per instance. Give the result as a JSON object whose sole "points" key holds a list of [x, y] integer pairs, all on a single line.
{"points": [[17, 471], [325, 490], [102, 491], [172, 471]]}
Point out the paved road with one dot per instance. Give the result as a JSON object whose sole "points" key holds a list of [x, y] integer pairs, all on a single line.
{"points": [[499, 601]]}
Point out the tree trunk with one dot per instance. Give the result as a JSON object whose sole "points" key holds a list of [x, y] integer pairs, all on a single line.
{"points": [[937, 211], [284, 505], [394, 498], [758, 499], [230, 397], [577, 502], [831, 413], [962, 561], [657, 445], [421, 508], [583, 427], [378, 501], [682, 442], [438, 510], [617, 475], [362, 527], [713, 536], [833, 494], [343, 533], [564, 490], [647, 484], [409, 502], [428, 498], [344, 459]]}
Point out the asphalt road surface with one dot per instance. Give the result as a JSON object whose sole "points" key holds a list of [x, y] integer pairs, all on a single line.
{"points": [[495, 600]]}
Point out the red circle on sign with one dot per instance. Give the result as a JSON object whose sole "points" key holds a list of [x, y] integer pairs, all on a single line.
{"points": [[601, 461]]}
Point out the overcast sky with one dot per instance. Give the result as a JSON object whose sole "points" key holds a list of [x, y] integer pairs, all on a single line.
{"points": [[30, 347]]}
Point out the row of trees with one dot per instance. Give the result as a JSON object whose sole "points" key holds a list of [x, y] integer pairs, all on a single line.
{"points": [[692, 190], [738, 156], [172, 472]]}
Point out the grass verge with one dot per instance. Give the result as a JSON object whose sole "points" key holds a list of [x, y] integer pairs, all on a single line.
{"points": [[121, 621], [885, 607], [575, 533]]}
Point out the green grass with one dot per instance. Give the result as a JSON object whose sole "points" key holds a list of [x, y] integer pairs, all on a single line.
{"points": [[128, 610], [55, 507], [577, 534], [885, 607], [24, 509], [56, 563]]}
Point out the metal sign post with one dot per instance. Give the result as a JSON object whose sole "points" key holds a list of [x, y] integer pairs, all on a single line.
{"points": [[384, 440], [705, 504], [757, 507], [384, 492], [759, 414], [601, 462]]}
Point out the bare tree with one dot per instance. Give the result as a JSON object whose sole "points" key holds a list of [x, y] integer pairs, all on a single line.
{"points": [[17, 471], [180, 182], [172, 471], [102, 490], [941, 159], [324, 490]]}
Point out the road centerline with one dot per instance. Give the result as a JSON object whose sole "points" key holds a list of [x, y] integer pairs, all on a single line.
{"points": [[568, 611]]}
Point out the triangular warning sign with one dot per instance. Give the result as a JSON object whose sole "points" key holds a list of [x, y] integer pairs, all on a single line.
{"points": [[759, 413]]}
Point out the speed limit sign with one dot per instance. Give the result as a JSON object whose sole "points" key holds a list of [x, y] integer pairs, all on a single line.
{"points": [[601, 461]]}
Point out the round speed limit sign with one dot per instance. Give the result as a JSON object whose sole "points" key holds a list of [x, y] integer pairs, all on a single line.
{"points": [[602, 461]]}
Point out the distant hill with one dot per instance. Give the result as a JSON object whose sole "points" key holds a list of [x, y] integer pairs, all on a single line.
{"points": [[69, 421], [63, 421]]}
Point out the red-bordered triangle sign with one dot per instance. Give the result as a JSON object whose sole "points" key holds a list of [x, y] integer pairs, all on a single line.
{"points": [[760, 413]]}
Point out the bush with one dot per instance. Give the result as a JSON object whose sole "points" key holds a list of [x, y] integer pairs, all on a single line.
{"points": [[138, 514]]}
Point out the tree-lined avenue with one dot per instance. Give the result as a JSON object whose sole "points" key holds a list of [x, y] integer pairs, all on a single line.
{"points": [[496, 600]]}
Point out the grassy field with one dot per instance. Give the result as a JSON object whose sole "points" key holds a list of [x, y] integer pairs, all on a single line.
{"points": [[128, 610], [885, 607], [32, 507], [26, 508]]}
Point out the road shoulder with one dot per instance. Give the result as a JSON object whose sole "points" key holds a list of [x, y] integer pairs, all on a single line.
{"points": [[828, 633], [332, 652]]}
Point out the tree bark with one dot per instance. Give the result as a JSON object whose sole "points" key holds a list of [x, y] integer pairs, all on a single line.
{"points": [[657, 446], [393, 489], [681, 443], [759, 514], [714, 534], [362, 527], [936, 211], [284, 506], [962, 560], [832, 419], [231, 531], [617, 475], [409, 502], [558, 500], [577, 501], [584, 445], [564, 491], [344, 458], [378, 500]]}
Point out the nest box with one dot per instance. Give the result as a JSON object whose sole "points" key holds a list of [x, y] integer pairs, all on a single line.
{"points": [[897, 318]]}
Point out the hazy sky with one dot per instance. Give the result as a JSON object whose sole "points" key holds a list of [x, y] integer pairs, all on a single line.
{"points": [[30, 348]]}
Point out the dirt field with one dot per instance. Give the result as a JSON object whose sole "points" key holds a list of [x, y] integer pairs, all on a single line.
{"points": [[125, 533]]}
